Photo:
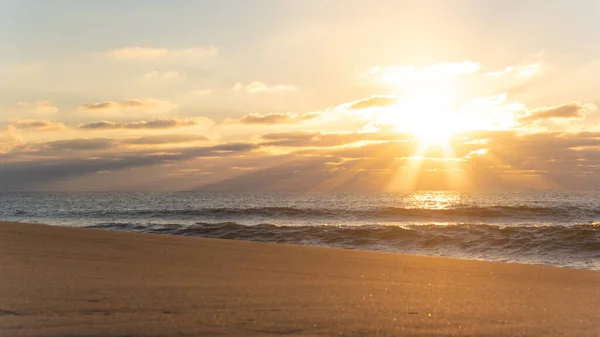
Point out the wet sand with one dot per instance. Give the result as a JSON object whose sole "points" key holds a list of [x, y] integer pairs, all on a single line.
{"points": [[58, 281]]}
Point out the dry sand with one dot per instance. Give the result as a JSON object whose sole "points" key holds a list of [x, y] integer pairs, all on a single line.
{"points": [[59, 281]]}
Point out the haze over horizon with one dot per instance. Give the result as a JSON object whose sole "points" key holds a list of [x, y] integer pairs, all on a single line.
{"points": [[299, 95]]}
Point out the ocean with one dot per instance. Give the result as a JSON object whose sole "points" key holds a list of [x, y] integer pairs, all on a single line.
{"points": [[538, 227]]}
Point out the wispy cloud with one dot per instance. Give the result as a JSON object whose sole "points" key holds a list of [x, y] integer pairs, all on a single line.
{"points": [[404, 74], [76, 145], [573, 110], [323, 139], [149, 53], [165, 139], [372, 102], [274, 118], [38, 125], [198, 93], [38, 107], [7, 138], [519, 71], [258, 87], [162, 75], [153, 124], [141, 104]]}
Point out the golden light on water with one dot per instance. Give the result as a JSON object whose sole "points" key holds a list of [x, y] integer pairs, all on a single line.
{"points": [[434, 200]]}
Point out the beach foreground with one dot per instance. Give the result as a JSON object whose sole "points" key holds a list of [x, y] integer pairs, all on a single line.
{"points": [[59, 281]]}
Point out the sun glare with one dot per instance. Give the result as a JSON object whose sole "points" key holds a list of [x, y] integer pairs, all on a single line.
{"points": [[429, 118], [431, 135], [426, 112]]}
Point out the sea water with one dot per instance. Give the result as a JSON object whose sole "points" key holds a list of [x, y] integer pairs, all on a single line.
{"points": [[541, 227]]}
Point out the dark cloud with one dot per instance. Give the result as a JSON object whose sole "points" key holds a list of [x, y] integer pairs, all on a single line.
{"points": [[79, 144], [275, 118], [160, 124], [373, 102], [28, 175], [38, 125], [58, 148], [319, 161], [573, 110], [154, 124], [102, 125]]}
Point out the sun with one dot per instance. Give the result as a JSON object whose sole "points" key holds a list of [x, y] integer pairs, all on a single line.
{"points": [[433, 134], [429, 118], [432, 121], [426, 111]]}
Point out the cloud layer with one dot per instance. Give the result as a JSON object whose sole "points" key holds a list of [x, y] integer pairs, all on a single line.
{"points": [[133, 104], [274, 118], [495, 139], [152, 125], [573, 110], [150, 53], [256, 87]]}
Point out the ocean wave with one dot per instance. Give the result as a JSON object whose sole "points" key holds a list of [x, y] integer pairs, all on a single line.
{"points": [[575, 246], [467, 213]]}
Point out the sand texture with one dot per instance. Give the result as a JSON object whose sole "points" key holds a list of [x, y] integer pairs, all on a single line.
{"points": [[58, 281]]}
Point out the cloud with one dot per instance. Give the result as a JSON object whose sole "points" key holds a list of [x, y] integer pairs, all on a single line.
{"points": [[258, 87], [38, 107], [322, 139], [520, 71], [373, 102], [274, 118], [408, 73], [102, 125], [459, 68], [61, 148], [7, 137], [162, 75], [64, 148], [154, 124], [148, 53], [573, 110], [30, 174], [38, 125], [82, 144], [145, 104], [199, 93], [491, 160], [165, 139]]}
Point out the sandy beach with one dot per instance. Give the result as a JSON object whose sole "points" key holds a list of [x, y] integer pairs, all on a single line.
{"points": [[59, 281]]}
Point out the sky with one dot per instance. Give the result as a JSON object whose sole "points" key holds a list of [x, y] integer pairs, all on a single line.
{"points": [[310, 95]]}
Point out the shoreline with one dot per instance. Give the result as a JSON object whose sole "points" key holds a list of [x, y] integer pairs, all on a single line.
{"points": [[506, 260], [65, 281], [344, 248]]}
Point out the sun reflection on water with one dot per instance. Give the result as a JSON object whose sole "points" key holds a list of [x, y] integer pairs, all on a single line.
{"points": [[434, 200]]}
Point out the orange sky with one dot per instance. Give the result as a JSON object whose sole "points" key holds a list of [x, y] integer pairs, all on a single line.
{"points": [[299, 95]]}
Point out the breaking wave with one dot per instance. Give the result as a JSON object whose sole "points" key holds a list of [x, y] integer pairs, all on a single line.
{"points": [[572, 246], [385, 213]]}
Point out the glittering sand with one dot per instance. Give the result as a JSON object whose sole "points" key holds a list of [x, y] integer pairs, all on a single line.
{"points": [[58, 281]]}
